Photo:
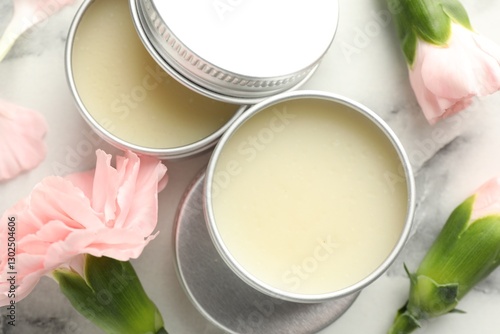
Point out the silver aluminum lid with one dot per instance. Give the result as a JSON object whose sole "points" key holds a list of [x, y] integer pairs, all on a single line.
{"points": [[238, 51]]}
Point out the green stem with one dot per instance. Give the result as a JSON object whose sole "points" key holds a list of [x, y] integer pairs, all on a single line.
{"points": [[403, 324], [162, 331]]}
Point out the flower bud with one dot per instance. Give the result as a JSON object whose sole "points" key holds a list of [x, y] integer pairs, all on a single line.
{"points": [[465, 252], [449, 64]]}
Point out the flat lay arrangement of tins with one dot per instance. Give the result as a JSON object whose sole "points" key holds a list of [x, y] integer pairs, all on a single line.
{"points": [[298, 207]]}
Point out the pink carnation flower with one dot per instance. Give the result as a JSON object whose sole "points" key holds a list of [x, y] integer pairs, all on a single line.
{"points": [[106, 212], [21, 139], [445, 79]]}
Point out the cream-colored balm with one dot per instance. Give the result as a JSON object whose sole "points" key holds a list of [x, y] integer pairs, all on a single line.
{"points": [[305, 196], [125, 91]]}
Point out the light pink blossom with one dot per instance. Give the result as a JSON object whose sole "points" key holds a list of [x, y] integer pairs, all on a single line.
{"points": [[445, 79], [28, 13], [487, 200], [109, 212], [21, 139]]}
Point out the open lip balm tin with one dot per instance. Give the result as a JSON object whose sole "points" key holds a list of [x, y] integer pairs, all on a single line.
{"points": [[228, 54], [127, 98], [309, 197]]}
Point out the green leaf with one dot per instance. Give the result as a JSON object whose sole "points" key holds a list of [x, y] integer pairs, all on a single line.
{"points": [[111, 296]]}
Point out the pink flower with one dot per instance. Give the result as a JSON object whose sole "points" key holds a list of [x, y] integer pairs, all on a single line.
{"points": [[446, 78], [21, 139], [487, 200], [27, 13], [108, 212]]}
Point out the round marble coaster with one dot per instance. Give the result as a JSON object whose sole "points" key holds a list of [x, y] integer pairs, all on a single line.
{"points": [[223, 297]]}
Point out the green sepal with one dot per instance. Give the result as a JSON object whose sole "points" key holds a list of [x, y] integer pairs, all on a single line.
{"points": [[455, 225], [456, 11], [409, 46], [427, 20], [430, 299], [406, 34], [456, 310], [111, 296], [412, 277], [427, 299], [465, 251]]}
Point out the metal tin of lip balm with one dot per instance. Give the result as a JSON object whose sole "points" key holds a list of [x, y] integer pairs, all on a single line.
{"points": [[237, 51], [222, 297], [127, 98], [309, 197]]}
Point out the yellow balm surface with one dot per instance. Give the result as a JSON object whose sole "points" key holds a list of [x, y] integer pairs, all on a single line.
{"points": [[304, 198], [127, 93]]}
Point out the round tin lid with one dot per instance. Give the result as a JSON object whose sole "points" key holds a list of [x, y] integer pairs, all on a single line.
{"points": [[238, 48]]}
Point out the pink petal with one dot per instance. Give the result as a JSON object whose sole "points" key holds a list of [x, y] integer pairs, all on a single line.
{"points": [[32, 266], [39, 242], [105, 186], [20, 211], [488, 46], [491, 65], [83, 181], [57, 199], [142, 211], [445, 79], [24, 289], [426, 99], [119, 244], [77, 263], [487, 199], [21, 139], [128, 168], [447, 73]]}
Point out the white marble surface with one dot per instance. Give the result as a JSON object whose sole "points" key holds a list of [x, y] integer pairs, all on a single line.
{"points": [[451, 160]]}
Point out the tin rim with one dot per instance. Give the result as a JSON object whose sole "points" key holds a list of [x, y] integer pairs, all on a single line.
{"points": [[153, 46], [245, 275], [162, 153]]}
